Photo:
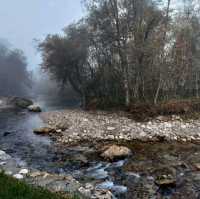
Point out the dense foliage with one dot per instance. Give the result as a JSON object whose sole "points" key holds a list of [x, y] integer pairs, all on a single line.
{"points": [[14, 77], [125, 51]]}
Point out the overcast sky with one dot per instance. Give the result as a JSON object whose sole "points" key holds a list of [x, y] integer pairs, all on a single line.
{"points": [[22, 21]]}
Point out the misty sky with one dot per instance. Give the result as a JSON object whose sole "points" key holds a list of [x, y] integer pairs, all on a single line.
{"points": [[24, 20]]}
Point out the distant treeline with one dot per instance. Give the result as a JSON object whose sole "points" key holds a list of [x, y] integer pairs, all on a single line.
{"points": [[128, 51], [14, 77]]}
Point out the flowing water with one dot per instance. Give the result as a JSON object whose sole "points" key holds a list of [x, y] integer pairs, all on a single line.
{"points": [[130, 178]]}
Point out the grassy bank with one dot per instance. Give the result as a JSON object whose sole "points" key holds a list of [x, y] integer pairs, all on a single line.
{"points": [[13, 189]]}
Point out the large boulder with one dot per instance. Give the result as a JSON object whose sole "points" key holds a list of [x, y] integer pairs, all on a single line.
{"points": [[44, 131], [34, 108], [116, 152], [20, 102]]}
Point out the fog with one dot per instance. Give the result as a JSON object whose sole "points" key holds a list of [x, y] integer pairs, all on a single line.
{"points": [[14, 77], [23, 23]]}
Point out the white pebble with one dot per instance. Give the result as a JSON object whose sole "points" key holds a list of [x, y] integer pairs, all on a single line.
{"points": [[18, 176], [24, 171], [2, 163], [110, 128]]}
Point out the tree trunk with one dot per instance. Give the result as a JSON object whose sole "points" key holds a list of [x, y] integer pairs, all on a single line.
{"points": [[197, 86], [127, 93], [158, 91]]}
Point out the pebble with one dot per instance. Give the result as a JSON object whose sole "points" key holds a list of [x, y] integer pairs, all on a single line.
{"points": [[18, 176], [2, 163], [85, 192], [23, 171], [110, 128]]}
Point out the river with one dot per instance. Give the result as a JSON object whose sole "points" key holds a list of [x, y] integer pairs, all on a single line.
{"points": [[129, 178]]}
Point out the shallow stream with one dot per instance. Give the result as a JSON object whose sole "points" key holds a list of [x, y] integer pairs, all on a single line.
{"points": [[134, 177]]}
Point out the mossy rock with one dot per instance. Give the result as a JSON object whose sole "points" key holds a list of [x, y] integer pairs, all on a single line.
{"points": [[20, 102]]}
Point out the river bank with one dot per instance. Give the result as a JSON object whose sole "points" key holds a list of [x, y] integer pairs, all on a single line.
{"points": [[165, 152], [77, 125]]}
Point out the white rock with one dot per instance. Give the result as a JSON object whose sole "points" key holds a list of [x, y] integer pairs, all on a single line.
{"points": [[18, 176], [23, 171], [89, 186], [175, 138], [110, 128], [193, 138], [183, 126], [2, 152], [143, 134], [121, 137], [2, 163], [111, 137], [136, 175], [151, 178], [168, 125], [85, 192]]}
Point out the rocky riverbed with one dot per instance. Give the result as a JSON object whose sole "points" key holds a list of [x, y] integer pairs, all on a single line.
{"points": [[65, 184], [91, 154], [165, 152], [77, 125]]}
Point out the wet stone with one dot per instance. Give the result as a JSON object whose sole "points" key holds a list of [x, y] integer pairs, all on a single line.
{"points": [[44, 131], [166, 180]]}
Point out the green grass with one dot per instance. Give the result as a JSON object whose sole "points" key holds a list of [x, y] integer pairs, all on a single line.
{"points": [[14, 189]]}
